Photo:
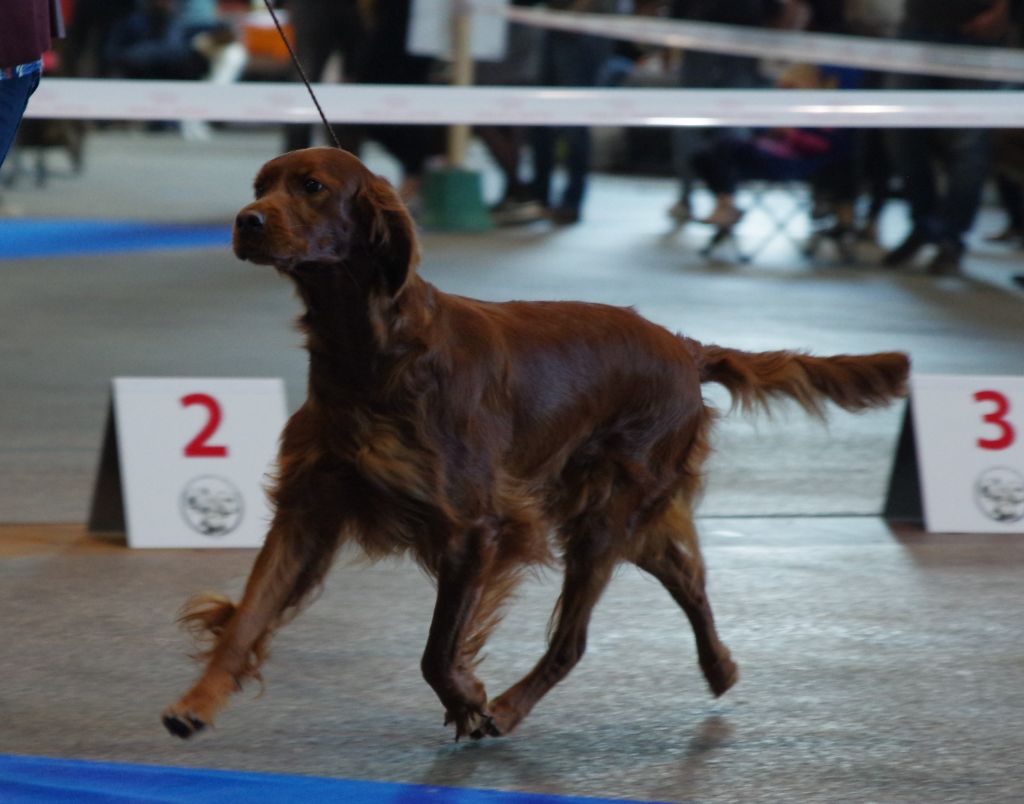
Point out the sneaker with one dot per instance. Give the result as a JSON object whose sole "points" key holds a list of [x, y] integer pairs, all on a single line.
{"points": [[907, 250], [946, 261], [564, 216], [680, 212], [1011, 234], [515, 212], [724, 218]]}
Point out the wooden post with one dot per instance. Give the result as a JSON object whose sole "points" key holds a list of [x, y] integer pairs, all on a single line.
{"points": [[462, 76], [453, 198]]}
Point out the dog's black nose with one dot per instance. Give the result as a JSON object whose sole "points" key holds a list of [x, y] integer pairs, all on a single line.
{"points": [[249, 220]]}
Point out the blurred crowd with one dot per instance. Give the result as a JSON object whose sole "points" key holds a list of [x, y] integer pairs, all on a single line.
{"points": [[849, 174]]}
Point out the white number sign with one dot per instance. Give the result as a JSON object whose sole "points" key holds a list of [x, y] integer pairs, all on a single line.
{"points": [[970, 452], [192, 457]]}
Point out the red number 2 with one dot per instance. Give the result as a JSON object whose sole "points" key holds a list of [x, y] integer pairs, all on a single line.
{"points": [[997, 418], [197, 447]]}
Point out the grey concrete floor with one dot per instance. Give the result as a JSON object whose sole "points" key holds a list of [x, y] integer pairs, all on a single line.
{"points": [[877, 666]]}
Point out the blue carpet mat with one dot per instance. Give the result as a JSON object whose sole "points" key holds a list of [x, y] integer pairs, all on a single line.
{"points": [[47, 781], [20, 239]]}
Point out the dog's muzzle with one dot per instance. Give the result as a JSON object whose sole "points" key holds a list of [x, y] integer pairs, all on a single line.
{"points": [[249, 235]]}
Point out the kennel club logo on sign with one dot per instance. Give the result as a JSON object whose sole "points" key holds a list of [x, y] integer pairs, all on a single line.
{"points": [[970, 446], [192, 457], [1000, 494], [212, 506]]}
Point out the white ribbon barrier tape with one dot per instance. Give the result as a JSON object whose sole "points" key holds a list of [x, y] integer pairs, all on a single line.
{"points": [[258, 102], [959, 61]]}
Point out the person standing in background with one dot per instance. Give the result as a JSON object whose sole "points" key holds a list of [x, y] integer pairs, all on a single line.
{"points": [[942, 212], [153, 42], [89, 24], [881, 19], [322, 28], [569, 59], [385, 59], [713, 70], [27, 28]]}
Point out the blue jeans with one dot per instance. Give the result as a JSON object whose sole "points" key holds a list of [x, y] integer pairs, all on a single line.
{"points": [[941, 211], [569, 60], [14, 95]]}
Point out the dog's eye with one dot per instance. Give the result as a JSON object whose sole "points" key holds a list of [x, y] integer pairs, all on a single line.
{"points": [[258, 190], [312, 186]]}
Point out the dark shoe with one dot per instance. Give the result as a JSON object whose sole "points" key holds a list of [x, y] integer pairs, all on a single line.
{"points": [[724, 218], [680, 212], [1011, 234], [946, 261], [565, 216], [907, 250], [1018, 280], [514, 212]]}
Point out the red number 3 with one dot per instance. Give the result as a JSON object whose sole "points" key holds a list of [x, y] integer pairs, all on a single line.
{"points": [[997, 418], [197, 447]]}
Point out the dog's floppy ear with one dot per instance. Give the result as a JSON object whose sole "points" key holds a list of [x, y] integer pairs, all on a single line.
{"points": [[389, 230]]}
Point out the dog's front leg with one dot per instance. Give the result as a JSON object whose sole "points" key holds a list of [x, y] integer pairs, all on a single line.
{"points": [[462, 579], [294, 558]]}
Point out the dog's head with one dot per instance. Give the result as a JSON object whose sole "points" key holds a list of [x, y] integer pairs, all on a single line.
{"points": [[321, 209]]}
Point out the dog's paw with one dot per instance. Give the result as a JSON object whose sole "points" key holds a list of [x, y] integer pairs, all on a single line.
{"points": [[486, 728], [722, 675], [182, 725], [471, 723], [499, 720]]}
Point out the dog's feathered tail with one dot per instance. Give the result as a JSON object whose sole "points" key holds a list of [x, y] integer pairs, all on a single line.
{"points": [[756, 379]]}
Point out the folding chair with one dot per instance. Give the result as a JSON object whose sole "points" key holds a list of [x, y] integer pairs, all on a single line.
{"points": [[795, 212], [772, 211]]}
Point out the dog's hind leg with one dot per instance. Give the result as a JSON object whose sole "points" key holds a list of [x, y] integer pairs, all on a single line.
{"points": [[671, 553], [294, 559]]}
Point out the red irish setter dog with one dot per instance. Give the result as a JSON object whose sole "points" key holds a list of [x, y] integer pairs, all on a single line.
{"points": [[481, 439]]}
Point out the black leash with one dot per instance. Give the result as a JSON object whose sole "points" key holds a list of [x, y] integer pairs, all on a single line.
{"points": [[302, 73]]}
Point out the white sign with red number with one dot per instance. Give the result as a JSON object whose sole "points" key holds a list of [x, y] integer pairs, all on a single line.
{"points": [[970, 452], [194, 458]]}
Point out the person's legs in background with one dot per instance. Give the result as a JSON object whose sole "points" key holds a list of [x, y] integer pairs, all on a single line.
{"points": [[314, 43], [726, 160], [506, 144], [966, 153], [570, 60], [577, 166], [1008, 165], [14, 94], [686, 142], [940, 215], [542, 143], [703, 70], [323, 27], [88, 28], [875, 167], [1011, 198], [912, 155], [516, 204], [412, 147]]}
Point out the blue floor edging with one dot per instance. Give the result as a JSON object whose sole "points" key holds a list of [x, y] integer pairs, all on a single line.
{"points": [[20, 239], [42, 780]]}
